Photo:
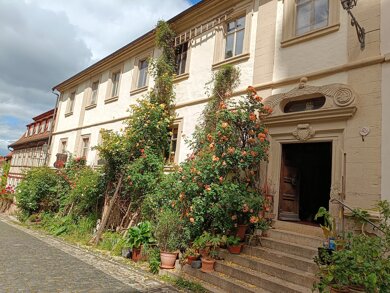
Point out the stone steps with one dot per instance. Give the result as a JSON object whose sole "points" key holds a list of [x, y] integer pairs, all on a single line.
{"points": [[282, 264], [259, 279], [307, 252], [223, 281], [296, 238], [297, 262], [280, 271]]}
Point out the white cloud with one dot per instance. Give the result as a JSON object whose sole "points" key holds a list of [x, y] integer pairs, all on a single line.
{"points": [[44, 42]]}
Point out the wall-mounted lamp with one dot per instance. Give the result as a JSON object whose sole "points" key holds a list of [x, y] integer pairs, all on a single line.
{"points": [[348, 5]]}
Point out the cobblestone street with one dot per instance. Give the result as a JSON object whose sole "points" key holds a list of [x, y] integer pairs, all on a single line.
{"points": [[32, 262]]}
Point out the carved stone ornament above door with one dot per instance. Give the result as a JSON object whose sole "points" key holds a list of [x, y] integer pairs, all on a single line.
{"points": [[340, 103], [303, 132]]}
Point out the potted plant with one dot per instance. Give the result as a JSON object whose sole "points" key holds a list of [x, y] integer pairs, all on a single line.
{"points": [[137, 236], [208, 260], [169, 234], [329, 222], [233, 245], [190, 255], [202, 244], [261, 227]]}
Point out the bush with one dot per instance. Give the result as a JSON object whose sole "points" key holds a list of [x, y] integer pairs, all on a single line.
{"points": [[41, 190], [87, 189]]}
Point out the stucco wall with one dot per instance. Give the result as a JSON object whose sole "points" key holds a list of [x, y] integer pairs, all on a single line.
{"points": [[385, 50]]}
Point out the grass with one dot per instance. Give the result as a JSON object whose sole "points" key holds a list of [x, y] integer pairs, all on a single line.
{"points": [[184, 284]]}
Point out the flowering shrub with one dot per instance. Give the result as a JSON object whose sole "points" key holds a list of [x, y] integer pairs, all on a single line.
{"points": [[216, 188]]}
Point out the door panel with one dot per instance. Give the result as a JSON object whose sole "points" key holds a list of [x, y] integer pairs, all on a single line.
{"points": [[289, 191]]}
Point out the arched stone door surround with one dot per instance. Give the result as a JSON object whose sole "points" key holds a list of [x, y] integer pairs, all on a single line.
{"points": [[324, 124]]}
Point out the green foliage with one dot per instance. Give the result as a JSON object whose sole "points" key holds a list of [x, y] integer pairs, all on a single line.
{"points": [[41, 190], [112, 241], [153, 256], [184, 284], [233, 240], [3, 179], [169, 231], [365, 260], [139, 235], [328, 227], [86, 190]]}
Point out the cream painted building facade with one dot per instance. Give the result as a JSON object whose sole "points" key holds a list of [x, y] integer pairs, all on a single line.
{"points": [[327, 133]]}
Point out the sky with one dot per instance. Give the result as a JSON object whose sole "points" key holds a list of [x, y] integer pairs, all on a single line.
{"points": [[44, 42]]}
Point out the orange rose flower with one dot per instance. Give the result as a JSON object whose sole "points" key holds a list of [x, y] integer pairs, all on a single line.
{"points": [[231, 150], [215, 158], [224, 125], [252, 116], [192, 220], [207, 187]]}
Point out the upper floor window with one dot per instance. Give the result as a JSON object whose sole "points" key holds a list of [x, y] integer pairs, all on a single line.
{"points": [[143, 73], [181, 58], [31, 130], [94, 92], [307, 19], [311, 15], [37, 128], [43, 125], [71, 102], [85, 147], [49, 123], [235, 33], [115, 83]]}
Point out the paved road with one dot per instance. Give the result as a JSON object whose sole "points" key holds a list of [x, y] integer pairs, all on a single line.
{"points": [[31, 262]]}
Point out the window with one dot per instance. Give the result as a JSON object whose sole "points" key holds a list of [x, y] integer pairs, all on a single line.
{"points": [[63, 146], [49, 124], [37, 128], [31, 130], [85, 147], [311, 15], [235, 33], [115, 83], [307, 19], [94, 92], [71, 103], [143, 73], [43, 124], [173, 138], [304, 105], [181, 58]]}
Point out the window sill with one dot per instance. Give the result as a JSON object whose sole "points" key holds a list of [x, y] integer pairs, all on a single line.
{"points": [[139, 90], [310, 35], [232, 60], [68, 114], [89, 107], [181, 77], [110, 100]]}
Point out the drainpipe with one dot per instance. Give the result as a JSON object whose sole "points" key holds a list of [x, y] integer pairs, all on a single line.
{"points": [[52, 125]]}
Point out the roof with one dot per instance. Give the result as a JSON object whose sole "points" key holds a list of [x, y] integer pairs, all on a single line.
{"points": [[144, 38], [36, 138]]}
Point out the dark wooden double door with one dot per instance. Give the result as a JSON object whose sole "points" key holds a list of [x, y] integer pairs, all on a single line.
{"points": [[305, 180]]}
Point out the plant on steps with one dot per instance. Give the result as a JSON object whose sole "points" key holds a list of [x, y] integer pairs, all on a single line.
{"points": [[137, 236]]}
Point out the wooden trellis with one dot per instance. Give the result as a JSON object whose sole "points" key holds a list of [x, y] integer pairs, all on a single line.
{"points": [[200, 29]]}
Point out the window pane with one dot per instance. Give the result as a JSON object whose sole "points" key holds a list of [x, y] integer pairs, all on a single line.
{"points": [[229, 46], [71, 101], [231, 26], [303, 18], [321, 13], [115, 84], [143, 71], [95, 86], [181, 58], [240, 23], [239, 42]]}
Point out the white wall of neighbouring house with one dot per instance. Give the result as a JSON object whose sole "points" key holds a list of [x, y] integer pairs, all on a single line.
{"points": [[385, 50]]}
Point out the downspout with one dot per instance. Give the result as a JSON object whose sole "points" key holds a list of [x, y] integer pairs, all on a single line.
{"points": [[52, 126]]}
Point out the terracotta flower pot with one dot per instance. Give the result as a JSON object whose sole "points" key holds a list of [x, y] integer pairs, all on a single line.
{"points": [[235, 249], [191, 258], [136, 255], [241, 231], [168, 260], [207, 265]]}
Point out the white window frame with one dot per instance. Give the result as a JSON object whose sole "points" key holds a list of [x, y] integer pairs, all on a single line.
{"points": [[289, 35], [61, 149], [179, 64], [94, 95], [135, 89], [70, 103], [84, 150]]}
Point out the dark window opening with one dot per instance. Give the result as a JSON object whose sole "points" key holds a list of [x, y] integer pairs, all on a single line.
{"points": [[181, 58], [304, 105]]}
